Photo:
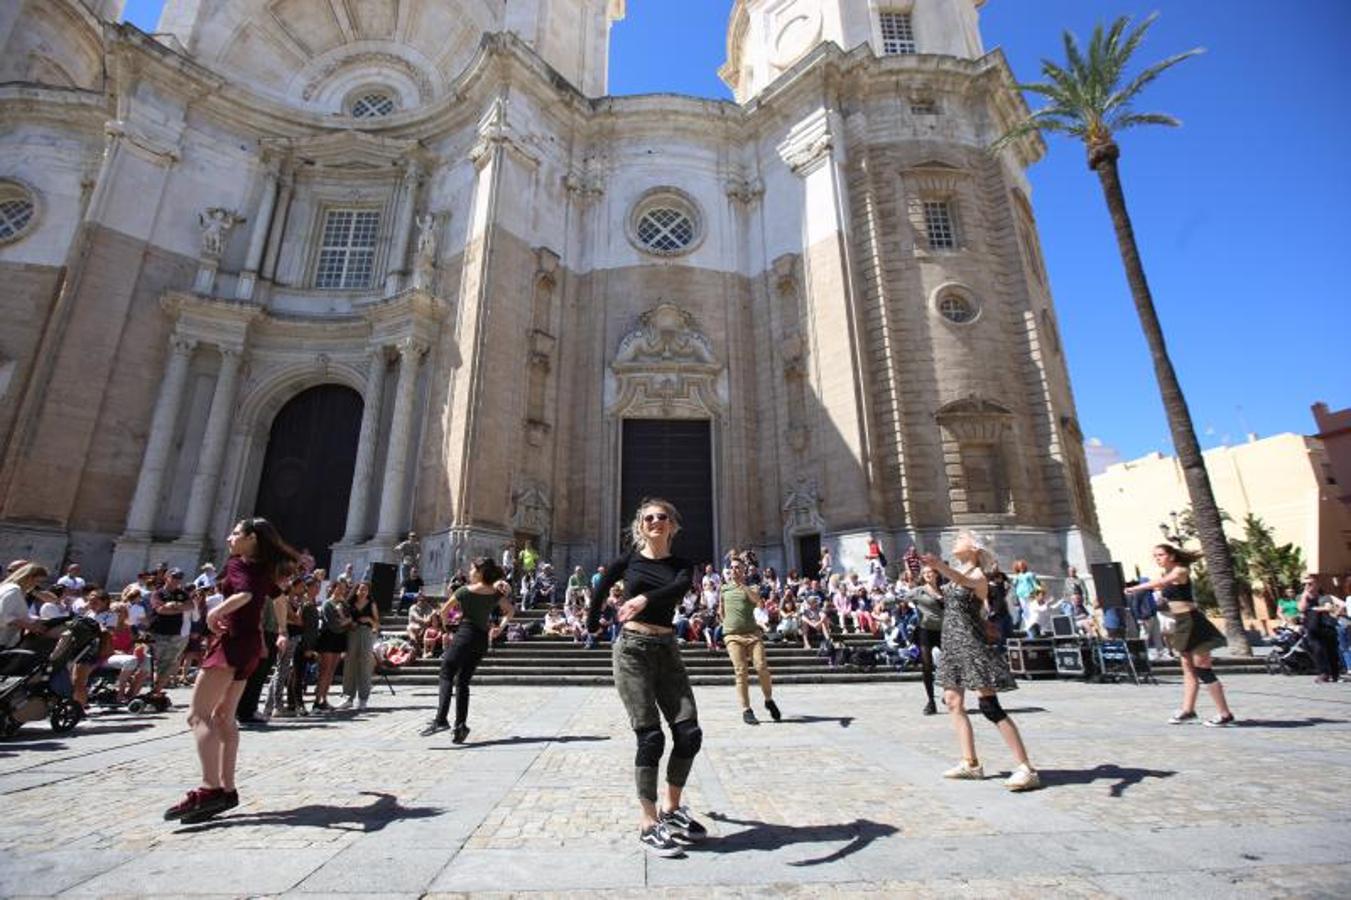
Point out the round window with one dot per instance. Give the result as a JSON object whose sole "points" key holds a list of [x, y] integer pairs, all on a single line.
{"points": [[956, 309], [18, 211], [665, 223], [955, 303], [372, 105]]}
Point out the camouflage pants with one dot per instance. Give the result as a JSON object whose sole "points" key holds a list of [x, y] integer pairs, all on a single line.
{"points": [[651, 678]]}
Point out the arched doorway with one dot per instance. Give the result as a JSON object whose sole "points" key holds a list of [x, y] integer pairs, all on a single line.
{"points": [[307, 472]]}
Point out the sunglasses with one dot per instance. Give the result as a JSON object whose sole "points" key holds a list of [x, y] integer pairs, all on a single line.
{"points": [[656, 517]]}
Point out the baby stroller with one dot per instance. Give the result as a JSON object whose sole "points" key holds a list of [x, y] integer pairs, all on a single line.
{"points": [[1290, 653], [35, 683]]}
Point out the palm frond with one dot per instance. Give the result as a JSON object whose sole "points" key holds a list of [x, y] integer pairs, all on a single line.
{"points": [[1144, 79], [1132, 120]]}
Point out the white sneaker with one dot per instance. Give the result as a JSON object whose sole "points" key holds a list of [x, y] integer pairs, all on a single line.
{"points": [[965, 772], [347, 704], [1024, 778]]}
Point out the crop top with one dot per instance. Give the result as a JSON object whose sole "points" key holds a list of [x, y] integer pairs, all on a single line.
{"points": [[663, 582], [1178, 593]]}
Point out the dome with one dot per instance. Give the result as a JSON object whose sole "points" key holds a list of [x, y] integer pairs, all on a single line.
{"points": [[366, 59]]}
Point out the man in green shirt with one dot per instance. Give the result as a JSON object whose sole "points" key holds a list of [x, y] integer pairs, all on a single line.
{"points": [[744, 640]]}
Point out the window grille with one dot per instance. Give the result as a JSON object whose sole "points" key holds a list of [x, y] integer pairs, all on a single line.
{"points": [[898, 35], [15, 214], [372, 105], [347, 254], [938, 225], [924, 107], [956, 308], [665, 230]]}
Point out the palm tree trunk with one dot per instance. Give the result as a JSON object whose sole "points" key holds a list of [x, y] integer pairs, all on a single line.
{"points": [[1205, 512]]}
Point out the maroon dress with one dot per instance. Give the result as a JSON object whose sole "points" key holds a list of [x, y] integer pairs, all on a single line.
{"points": [[241, 646]]}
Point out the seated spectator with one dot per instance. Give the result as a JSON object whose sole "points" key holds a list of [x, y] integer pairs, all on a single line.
{"points": [[813, 621], [1287, 608], [555, 623], [433, 635], [418, 616], [577, 588], [128, 656], [789, 625]]}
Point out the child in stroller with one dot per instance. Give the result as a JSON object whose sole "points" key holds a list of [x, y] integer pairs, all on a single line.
{"points": [[35, 681]]}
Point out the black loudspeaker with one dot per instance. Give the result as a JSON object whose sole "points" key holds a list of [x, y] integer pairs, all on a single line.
{"points": [[383, 576], [1110, 584]]}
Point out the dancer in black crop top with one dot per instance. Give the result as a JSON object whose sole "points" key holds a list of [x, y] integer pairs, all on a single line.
{"points": [[1192, 637], [650, 674]]}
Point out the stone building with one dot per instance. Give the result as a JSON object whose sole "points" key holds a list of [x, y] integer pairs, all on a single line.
{"points": [[364, 266]]}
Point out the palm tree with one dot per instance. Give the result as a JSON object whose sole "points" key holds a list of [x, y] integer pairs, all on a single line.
{"points": [[1090, 99]]}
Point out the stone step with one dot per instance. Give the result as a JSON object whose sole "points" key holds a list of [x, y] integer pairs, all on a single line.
{"points": [[486, 678]]}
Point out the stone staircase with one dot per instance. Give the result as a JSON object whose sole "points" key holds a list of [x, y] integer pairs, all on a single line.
{"points": [[553, 661]]}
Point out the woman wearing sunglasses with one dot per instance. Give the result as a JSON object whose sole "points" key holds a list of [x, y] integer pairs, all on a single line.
{"points": [[650, 674]]}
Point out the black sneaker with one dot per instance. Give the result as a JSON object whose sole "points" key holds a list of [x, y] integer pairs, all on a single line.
{"points": [[683, 827], [435, 726], [461, 734], [213, 803], [773, 710], [931, 708], [656, 839], [748, 716], [1220, 722]]}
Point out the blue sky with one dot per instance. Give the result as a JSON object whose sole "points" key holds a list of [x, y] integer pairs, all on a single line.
{"points": [[1240, 214]]}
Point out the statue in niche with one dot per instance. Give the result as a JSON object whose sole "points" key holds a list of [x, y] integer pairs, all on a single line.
{"points": [[216, 225], [424, 262]]}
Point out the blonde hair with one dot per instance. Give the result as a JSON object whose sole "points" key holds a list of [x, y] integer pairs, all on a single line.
{"points": [[985, 557], [636, 526], [25, 571]]}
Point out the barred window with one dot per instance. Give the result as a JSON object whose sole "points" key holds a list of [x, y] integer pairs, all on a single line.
{"points": [[956, 308], [372, 105], [938, 225], [665, 230], [924, 106], [17, 211], [347, 254], [898, 35]]}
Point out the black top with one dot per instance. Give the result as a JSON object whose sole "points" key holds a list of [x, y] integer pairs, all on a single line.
{"points": [[169, 624], [366, 615], [1178, 593], [663, 582], [412, 585]]}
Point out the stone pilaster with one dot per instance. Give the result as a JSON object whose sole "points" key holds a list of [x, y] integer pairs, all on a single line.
{"points": [[393, 507], [218, 423], [358, 504], [145, 502]]}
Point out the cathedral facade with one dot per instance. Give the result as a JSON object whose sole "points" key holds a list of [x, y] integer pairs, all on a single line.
{"points": [[372, 266]]}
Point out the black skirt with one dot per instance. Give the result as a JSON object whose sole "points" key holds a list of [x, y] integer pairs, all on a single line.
{"points": [[332, 641]]}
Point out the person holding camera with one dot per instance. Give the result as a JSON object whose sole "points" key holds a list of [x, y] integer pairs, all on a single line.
{"points": [[744, 640]]}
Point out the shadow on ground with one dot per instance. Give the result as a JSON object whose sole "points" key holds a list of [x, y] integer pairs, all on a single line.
{"points": [[516, 740], [766, 837], [382, 811], [1287, 723], [1124, 776], [842, 721]]}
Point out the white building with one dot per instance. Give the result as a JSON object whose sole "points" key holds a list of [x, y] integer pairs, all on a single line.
{"points": [[369, 266]]}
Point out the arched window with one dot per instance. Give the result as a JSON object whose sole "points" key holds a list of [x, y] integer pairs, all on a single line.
{"points": [[18, 211], [665, 222], [372, 104]]}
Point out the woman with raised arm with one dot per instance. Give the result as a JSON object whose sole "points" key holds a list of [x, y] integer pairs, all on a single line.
{"points": [[972, 661], [487, 588], [928, 600], [650, 674], [1193, 636], [259, 558]]}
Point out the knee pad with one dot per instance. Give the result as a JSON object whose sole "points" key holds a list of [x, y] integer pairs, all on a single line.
{"points": [[990, 708], [651, 743], [686, 738], [1206, 675]]}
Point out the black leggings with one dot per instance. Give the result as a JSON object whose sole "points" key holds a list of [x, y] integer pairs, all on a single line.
{"points": [[461, 659], [1323, 648], [928, 641]]}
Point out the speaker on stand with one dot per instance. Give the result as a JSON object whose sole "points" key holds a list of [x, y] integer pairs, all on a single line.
{"points": [[383, 576]]}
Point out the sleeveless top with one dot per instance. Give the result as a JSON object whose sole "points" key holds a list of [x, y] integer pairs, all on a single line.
{"points": [[476, 608], [1178, 593]]}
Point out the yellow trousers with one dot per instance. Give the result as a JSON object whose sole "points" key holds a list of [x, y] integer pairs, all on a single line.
{"points": [[748, 650]]}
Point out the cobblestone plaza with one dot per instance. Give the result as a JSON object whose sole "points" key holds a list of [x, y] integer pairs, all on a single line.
{"points": [[843, 798]]}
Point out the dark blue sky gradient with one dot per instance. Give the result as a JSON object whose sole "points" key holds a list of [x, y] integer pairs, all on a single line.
{"points": [[1240, 214]]}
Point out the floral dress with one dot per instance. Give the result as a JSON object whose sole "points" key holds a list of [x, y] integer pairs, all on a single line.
{"points": [[968, 662]]}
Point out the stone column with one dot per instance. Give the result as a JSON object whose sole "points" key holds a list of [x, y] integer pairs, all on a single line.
{"points": [[279, 211], [218, 422], [358, 503], [145, 502], [400, 431], [407, 205], [258, 238]]}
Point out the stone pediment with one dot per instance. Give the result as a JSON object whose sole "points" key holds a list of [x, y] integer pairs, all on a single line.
{"points": [[347, 150], [973, 406], [666, 368]]}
